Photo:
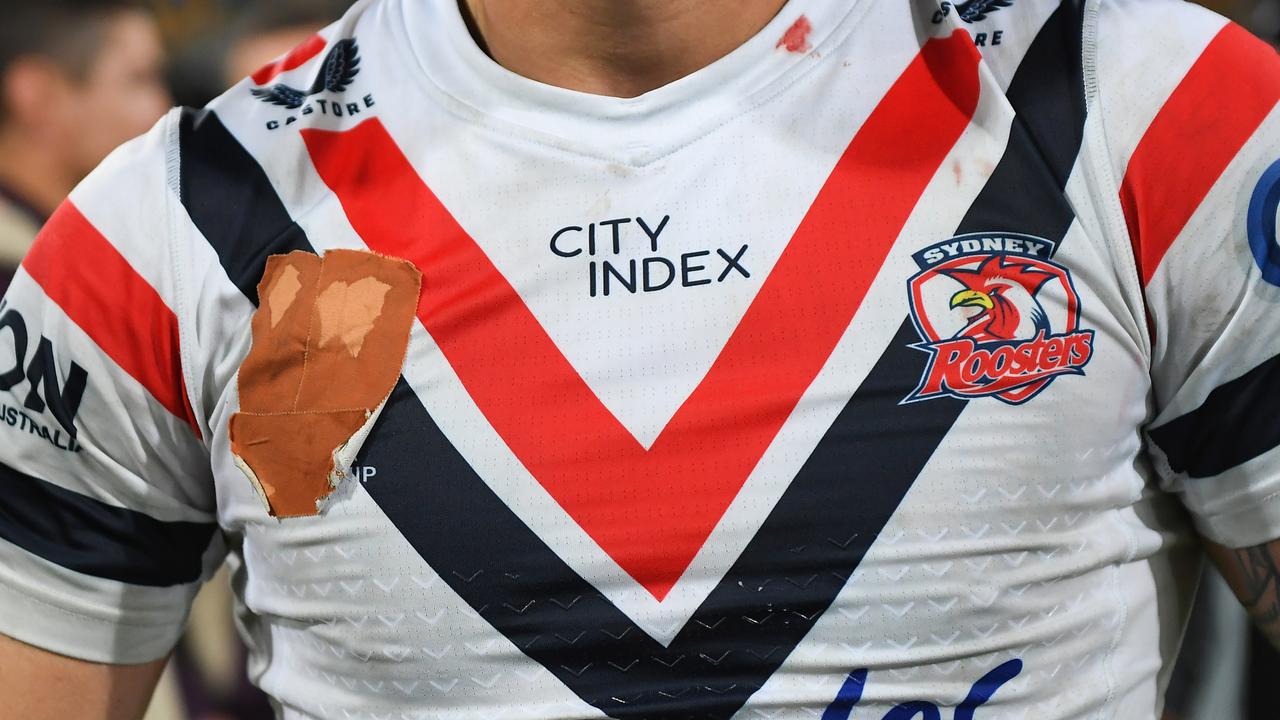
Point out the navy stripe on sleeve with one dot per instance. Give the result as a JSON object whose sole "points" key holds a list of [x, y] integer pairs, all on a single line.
{"points": [[1234, 425], [88, 536]]}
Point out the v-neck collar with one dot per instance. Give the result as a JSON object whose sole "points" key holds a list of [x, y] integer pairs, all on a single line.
{"points": [[636, 130]]}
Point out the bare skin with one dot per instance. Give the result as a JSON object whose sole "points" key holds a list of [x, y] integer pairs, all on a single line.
{"points": [[1254, 574], [38, 685], [620, 48]]}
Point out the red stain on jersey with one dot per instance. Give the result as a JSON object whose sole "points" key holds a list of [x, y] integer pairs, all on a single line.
{"points": [[651, 509], [293, 59], [796, 38]]}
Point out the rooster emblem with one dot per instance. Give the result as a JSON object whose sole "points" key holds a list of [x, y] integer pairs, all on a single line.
{"points": [[340, 68], [997, 316], [1004, 294]]}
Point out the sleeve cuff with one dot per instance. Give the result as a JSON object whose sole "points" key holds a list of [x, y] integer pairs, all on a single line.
{"points": [[1245, 527], [87, 618], [1240, 507]]}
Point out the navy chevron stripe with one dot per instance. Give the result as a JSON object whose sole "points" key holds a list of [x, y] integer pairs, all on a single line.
{"points": [[816, 535], [809, 545], [1233, 426], [88, 536], [231, 201]]}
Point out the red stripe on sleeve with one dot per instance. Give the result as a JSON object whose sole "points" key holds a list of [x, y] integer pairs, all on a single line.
{"points": [[1219, 105], [82, 273], [294, 59]]}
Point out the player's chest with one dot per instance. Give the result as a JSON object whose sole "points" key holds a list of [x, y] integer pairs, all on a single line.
{"points": [[657, 480], [647, 417], [651, 373], [598, 345]]}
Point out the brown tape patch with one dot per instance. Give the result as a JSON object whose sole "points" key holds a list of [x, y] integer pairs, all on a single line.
{"points": [[329, 341], [349, 312], [283, 292]]}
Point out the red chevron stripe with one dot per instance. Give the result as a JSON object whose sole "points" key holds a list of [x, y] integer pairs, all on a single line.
{"points": [[1203, 125], [81, 272], [652, 510]]}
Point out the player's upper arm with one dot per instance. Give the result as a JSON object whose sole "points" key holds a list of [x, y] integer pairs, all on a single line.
{"points": [[1188, 102], [107, 508], [40, 685]]}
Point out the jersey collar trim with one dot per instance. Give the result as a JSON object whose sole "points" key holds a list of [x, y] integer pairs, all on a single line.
{"points": [[632, 130]]}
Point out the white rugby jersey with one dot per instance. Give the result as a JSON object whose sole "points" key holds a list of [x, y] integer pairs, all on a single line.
{"points": [[865, 373]]}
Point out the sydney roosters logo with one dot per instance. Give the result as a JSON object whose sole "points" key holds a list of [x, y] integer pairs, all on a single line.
{"points": [[998, 318]]}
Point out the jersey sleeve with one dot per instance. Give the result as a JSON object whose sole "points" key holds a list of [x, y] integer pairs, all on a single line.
{"points": [[107, 508], [1189, 106]]}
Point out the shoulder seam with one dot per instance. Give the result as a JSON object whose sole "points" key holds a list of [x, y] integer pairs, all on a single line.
{"points": [[1110, 211], [173, 161]]}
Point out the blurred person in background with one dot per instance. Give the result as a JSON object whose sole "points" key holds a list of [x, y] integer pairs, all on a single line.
{"points": [[268, 31], [77, 78], [1260, 16], [216, 44]]}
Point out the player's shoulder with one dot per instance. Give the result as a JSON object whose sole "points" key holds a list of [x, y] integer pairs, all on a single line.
{"points": [[1095, 39], [1147, 53], [139, 164], [127, 198], [1154, 17], [329, 76], [1113, 35], [318, 77], [1155, 42], [250, 143]]}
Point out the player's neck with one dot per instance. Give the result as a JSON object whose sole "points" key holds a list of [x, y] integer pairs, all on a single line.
{"points": [[33, 173], [621, 48]]}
